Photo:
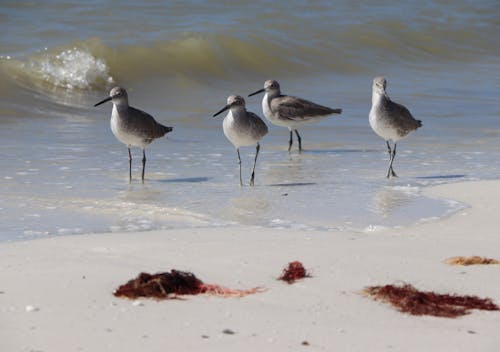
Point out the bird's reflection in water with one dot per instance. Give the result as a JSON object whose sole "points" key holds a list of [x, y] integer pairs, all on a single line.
{"points": [[299, 170], [389, 199], [248, 209]]}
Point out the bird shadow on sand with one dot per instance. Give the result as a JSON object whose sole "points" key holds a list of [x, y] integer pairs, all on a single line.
{"points": [[186, 180], [293, 184], [441, 177], [337, 151]]}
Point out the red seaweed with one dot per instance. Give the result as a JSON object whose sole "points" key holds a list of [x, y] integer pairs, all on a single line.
{"points": [[170, 285], [408, 299], [293, 272]]}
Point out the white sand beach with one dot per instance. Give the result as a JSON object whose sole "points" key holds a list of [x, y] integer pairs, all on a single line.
{"points": [[57, 293]]}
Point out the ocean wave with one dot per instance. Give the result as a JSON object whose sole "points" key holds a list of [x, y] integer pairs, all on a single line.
{"points": [[353, 48], [201, 56], [71, 67], [81, 67]]}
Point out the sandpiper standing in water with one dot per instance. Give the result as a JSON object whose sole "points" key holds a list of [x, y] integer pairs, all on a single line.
{"points": [[290, 112], [131, 126], [390, 120], [242, 128]]}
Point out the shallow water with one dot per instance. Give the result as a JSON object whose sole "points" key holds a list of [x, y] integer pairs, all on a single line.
{"points": [[63, 172]]}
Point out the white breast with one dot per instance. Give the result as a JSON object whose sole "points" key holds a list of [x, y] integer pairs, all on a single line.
{"points": [[235, 133], [271, 116], [380, 123], [266, 109], [122, 135]]}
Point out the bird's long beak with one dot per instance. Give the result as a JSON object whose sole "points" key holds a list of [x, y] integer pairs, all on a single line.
{"points": [[103, 101], [222, 110], [257, 92]]}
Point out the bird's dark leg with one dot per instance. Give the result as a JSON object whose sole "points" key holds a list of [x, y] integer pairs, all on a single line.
{"points": [[290, 141], [254, 162], [239, 164], [389, 150], [393, 174], [390, 172], [299, 140], [129, 166], [143, 163]]}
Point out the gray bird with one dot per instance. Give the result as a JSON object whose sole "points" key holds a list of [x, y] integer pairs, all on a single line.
{"points": [[242, 128], [289, 111], [131, 126], [390, 120]]}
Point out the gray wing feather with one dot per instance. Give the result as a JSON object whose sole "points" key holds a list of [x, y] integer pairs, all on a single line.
{"points": [[145, 125], [258, 127], [397, 117], [294, 108], [402, 117]]}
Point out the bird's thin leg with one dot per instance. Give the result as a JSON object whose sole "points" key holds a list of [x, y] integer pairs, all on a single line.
{"points": [[390, 172], [239, 165], [393, 174], [129, 166], [389, 150], [254, 162], [300, 140], [290, 141], [143, 163]]}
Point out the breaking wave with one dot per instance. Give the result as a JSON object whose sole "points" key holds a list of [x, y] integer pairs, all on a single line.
{"points": [[352, 48]]}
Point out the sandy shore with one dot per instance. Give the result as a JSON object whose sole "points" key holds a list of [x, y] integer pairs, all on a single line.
{"points": [[56, 293]]}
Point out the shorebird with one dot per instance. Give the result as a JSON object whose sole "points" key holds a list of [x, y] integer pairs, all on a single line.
{"points": [[242, 128], [131, 126], [290, 112], [390, 120]]}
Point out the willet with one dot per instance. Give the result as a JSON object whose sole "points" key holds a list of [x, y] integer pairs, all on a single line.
{"points": [[242, 128], [290, 112], [131, 126], [390, 120]]}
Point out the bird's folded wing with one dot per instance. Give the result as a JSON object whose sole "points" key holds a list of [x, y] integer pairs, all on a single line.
{"points": [[295, 109], [145, 124]]}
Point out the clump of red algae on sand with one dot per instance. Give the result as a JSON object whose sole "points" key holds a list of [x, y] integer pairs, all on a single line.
{"points": [[473, 260], [408, 299], [293, 272], [170, 285]]}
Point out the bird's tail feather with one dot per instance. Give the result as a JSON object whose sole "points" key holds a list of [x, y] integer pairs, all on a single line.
{"points": [[167, 129]]}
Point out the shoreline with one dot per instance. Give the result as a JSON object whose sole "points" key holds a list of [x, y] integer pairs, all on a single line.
{"points": [[68, 283], [422, 208]]}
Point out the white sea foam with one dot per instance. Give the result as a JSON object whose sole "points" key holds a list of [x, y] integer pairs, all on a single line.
{"points": [[71, 68]]}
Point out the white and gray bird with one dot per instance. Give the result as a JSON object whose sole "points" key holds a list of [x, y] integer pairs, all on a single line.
{"points": [[131, 126], [290, 112], [242, 128], [390, 120]]}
